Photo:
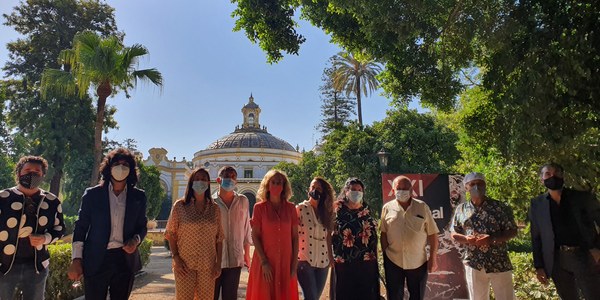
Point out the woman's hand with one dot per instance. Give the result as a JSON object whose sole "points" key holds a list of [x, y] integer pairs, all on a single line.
{"points": [[179, 266], [217, 270], [267, 272]]}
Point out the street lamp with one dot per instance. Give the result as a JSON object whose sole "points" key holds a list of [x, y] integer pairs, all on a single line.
{"points": [[383, 158]]}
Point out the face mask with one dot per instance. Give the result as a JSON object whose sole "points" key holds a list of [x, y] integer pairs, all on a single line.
{"points": [[276, 189], [315, 195], [403, 195], [355, 196], [199, 186], [477, 192], [227, 184], [554, 183], [119, 172], [30, 180]]}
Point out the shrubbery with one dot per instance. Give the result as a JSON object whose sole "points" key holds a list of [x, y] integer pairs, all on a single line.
{"points": [[526, 284], [58, 286]]}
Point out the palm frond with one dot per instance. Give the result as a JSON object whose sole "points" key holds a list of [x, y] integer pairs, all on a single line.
{"points": [[57, 81]]}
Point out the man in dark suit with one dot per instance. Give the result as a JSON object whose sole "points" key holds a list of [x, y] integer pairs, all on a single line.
{"points": [[564, 233], [111, 224]]}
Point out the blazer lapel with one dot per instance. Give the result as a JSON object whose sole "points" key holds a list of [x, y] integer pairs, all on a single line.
{"points": [[130, 208]]}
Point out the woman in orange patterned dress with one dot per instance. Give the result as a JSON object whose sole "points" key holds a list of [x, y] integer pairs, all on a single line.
{"points": [[195, 237], [275, 235]]}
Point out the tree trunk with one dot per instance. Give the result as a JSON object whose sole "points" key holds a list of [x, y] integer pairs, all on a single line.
{"points": [[58, 166], [104, 90], [358, 104]]}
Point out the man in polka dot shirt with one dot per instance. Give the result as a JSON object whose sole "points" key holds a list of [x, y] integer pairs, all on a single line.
{"points": [[30, 219]]}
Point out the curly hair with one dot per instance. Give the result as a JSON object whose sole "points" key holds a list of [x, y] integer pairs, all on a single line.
{"points": [[115, 156], [30, 159], [189, 191], [325, 206], [347, 185], [263, 190]]}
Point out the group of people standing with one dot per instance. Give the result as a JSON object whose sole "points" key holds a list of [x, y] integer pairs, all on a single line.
{"points": [[210, 235]]}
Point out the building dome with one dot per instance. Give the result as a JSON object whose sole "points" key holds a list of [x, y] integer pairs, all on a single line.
{"points": [[250, 138], [250, 134]]}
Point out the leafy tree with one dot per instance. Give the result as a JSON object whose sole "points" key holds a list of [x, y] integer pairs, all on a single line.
{"points": [[355, 74], [7, 172], [300, 175], [77, 171], [49, 128], [417, 142], [149, 181], [108, 66], [336, 108]]}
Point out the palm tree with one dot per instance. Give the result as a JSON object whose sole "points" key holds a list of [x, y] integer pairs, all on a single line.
{"points": [[355, 74], [104, 64]]}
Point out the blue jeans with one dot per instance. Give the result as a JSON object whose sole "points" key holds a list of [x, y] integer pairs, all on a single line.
{"points": [[312, 280], [23, 278]]}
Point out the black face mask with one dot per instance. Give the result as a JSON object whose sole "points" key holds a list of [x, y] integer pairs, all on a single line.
{"points": [[315, 195], [554, 183], [30, 180]]}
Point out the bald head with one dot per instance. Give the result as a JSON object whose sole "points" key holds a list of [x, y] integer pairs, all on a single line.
{"points": [[401, 183]]}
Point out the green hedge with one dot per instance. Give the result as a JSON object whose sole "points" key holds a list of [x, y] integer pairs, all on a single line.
{"points": [[58, 286], [526, 284]]}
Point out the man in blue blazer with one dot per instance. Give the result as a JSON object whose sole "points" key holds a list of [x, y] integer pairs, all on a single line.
{"points": [[111, 224], [565, 237]]}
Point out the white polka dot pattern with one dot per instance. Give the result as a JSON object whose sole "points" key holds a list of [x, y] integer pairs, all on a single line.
{"points": [[23, 220], [58, 228], [11, 223], [25, 231], [43, 220], [16, 206], [9, 249], [50, 197], [59, 208], [3, 236], [4, 194], [44, 205], [56, 221]]}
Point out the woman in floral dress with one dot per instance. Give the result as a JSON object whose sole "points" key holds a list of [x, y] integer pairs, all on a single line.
{"points": [[355, 246]]}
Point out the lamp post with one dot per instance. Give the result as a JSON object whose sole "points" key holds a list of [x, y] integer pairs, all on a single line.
{"points": [[384, 157]]}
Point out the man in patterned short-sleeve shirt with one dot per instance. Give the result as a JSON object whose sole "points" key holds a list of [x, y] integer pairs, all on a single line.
{"points": [[483, 226]]}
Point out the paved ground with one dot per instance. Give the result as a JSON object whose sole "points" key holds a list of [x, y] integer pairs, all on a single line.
{"points": [[158, 282]]}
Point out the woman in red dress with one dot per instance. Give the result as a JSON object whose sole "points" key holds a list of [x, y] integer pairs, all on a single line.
{"points": [[275, 235]]}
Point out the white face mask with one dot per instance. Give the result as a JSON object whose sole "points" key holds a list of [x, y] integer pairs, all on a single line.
{"points": [[477, 192], [403, 195], [355, 196], [119, 172], [200, 186]]}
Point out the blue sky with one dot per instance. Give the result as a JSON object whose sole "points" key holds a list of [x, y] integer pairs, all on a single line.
{"points": [[209, 72]]}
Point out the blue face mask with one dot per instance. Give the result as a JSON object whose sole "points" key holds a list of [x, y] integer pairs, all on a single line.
{"points": [[227, 184], [355, 196], [199, 186]]}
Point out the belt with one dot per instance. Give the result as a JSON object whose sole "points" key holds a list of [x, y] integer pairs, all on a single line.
{"points": [[566, 248]]}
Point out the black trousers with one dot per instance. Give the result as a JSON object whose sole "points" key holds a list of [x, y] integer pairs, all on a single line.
{"points": [[115, 277], [357, 280], [576, 271], [416, 281], [227, 284]]}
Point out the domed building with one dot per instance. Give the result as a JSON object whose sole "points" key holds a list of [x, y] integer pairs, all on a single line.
{"points": [[250, 149]]}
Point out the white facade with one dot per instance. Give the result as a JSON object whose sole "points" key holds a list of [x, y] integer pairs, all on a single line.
{"points": [[250, 149]]}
